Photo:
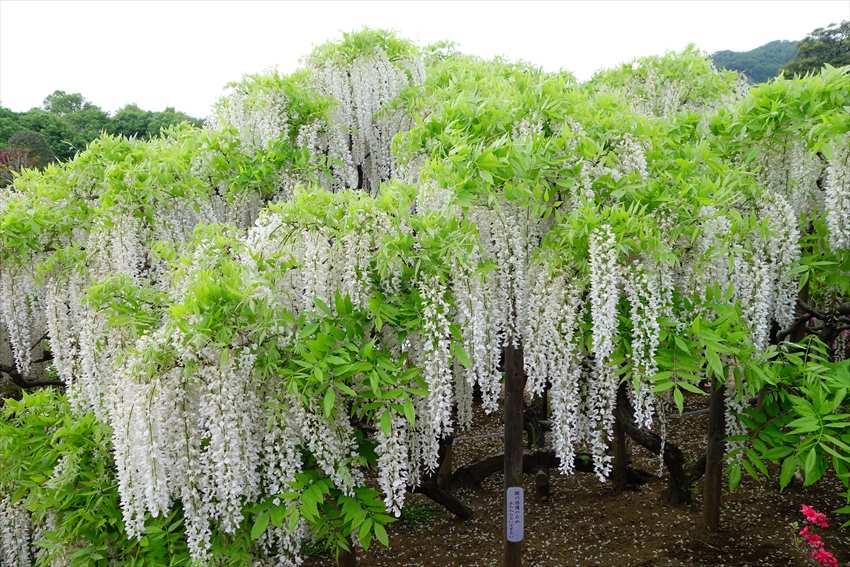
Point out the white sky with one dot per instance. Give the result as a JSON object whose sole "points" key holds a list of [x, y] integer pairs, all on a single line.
{"points": [[181, 54]]}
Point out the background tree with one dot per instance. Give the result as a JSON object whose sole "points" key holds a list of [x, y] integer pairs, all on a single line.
{"points": [[130, 121], [167, 118], [760, 64], [87, 124], [55, 130], [32, 143], [60, 102], [68, 122], [12, 160], [829, 45], [10, 122]]}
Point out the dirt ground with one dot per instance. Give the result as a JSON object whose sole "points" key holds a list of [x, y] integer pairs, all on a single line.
{"points": [[584, 523]]}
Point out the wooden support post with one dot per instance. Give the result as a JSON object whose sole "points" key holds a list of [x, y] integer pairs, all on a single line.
{"points": [[621, 456], [513, 496], [713, 482]]}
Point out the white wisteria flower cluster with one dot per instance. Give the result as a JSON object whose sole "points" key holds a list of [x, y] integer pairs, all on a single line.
{"points": [[838, 195], [605, 279], [15, 532], [763, 277], [363, 120]]}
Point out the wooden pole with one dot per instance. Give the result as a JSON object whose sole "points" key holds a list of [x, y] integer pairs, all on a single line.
{"points": [[621, 456], [713, 482], [513, 497]]}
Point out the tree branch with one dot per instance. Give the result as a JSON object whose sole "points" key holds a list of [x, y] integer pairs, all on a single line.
{"points": [[38, 342], [679, 483], [472, 475]]}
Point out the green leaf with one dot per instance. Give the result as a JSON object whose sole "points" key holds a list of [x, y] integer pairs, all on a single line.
{"points": [[839, 398], [714, 362], [276, 513], [810, 465], [804, 425], [345, 389], [734, 476], [409, 412], [322, 306], [776, 453], [328, 402], [749, 468], [786, 473], [462, 356], [292, 522], [260, 525], [757, 462], [679, 398], [381, 534], [365, 533], [386, 423], [691, 388]]}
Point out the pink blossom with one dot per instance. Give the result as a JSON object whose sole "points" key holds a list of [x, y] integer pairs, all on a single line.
{"points": [[814, 541], [824, 558], [814, 517]]}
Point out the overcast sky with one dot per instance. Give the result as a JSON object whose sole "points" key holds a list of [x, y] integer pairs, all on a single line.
{"points": [[181, 54]]}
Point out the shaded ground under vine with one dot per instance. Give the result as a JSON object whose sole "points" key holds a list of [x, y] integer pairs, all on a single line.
{"points": [[585, 523]]}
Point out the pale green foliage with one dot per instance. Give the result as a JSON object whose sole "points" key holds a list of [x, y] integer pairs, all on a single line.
{"points": [[671, 83], [364, 42]]}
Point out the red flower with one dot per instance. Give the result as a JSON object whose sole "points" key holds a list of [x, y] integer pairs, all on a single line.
{"points": [[814, 541], [824, 558], [814, 517]]}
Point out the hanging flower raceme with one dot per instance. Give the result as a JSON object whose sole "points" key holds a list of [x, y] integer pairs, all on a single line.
{"points": [[764, 280], [632, 156], [508, 235], [256, 111], [643, 290], [709, 265], [315, 267], [783, 248], [552, 357], [838, 195], [393, 465], [353, 266], [479, 320], [364, 121], [141, 457], [604, 297], [20, 312], [15, 532], [789, 169], [434, 357]]}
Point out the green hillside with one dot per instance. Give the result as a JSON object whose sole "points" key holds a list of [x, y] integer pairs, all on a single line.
{"points": [[760, 64]]}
